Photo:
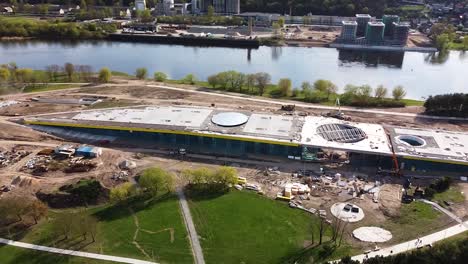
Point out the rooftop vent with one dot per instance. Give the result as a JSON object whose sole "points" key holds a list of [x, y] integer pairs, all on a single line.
{"points": [[341, 133]]}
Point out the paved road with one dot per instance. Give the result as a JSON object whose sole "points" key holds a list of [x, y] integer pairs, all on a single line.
{"points": [[415, 243], [73, 253], [194, 241], [312, 106]]}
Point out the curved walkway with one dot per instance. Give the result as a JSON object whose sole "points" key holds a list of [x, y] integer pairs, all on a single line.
{"points": [[416, 243], [73, 253]]}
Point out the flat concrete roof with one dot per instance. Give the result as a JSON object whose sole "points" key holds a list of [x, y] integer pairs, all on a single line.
{"points": [[167, 116], [434, 144], [353, 23], [285, 129], [376, 23]]}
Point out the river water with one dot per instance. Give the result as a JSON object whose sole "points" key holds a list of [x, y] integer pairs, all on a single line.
{"points": [[421, 74]]}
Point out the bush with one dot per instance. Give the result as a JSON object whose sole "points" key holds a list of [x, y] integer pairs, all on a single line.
{"points": [[141, 73], [448, 105], [105, 75], [155, 180], [190, 79], [160, 76]]}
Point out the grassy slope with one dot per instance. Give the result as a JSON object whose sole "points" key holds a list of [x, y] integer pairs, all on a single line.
{"points": [[243, 227], [116, 230], [416, 219], [451, 195]]}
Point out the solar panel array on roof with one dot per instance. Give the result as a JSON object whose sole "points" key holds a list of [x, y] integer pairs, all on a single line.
{"points": [[341, 133], [229, 119]]}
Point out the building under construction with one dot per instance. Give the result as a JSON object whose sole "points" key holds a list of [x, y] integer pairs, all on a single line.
{"points": [[263, 136]]}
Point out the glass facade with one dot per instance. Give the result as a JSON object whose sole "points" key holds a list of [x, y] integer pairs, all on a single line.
{"points": [[195, 144]]}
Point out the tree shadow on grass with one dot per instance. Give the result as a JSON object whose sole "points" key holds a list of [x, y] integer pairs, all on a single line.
{"points": [[319, 253], [136, 203], [202, 192]]}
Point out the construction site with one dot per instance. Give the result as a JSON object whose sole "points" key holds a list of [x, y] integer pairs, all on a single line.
{"points": [[350, 168]]}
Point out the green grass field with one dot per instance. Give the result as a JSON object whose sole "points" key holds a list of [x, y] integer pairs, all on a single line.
{"points": [[416, 219], [243, 227], [451, 195], [162, 236]]}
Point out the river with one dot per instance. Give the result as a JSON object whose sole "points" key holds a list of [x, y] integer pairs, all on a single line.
{"points": [[421, 74]]}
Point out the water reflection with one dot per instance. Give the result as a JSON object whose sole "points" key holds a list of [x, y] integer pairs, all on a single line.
{"points": [[437, 57], [371, 58], [276, 52]]}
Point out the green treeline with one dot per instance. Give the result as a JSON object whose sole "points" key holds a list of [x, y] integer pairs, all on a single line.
{"points": [[453, 252], [53, 30], [201, 20], [447, 105], [321, 91], [316, 7]]}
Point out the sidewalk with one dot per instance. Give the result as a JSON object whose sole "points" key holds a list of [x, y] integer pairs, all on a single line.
{"points": [[415, 243], [72, 252]]}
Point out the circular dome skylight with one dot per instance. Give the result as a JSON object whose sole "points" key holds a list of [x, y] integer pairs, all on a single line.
{"points": [[411, 140], [341, 133], [229, 119]]}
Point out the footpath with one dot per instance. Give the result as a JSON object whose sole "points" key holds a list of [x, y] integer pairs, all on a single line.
{"points": [[73, 253]]}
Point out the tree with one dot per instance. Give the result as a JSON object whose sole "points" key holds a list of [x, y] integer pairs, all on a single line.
{"points": [[263, 79], [83, 5], [465, 43], [281, 22], [24, 75], [64, 223], [225, 176], [105, 75], [276, 30], [442, 42], [398, 93], [250, 81], [145, 16], [306, 86], [52, 72], [380, 92], [160, 76], [4, 74], [325, 86], [141, 73], [190, 79], [122, 192], [155, 180], [285, 86], [37, 210], [213, 80], [69, 70], [210, 11]]}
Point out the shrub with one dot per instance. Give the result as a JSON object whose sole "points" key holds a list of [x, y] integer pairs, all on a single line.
{"points": [[105, 75], [141, 73], [190, 79], [160, 76]]}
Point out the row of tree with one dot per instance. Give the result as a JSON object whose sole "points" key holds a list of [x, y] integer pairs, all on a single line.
{"points": [[209, 180], [256, 83], [448, 105], [16, 209], [53, 30], [153, 181]]}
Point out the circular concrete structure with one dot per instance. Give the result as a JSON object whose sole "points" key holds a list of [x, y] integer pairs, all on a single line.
{"points": [[411, 140], [347, 212], [372, 234], [342, 133], [229, 119]]}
